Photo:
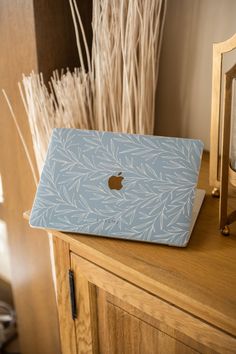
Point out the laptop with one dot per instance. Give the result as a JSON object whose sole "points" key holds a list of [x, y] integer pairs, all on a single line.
{"points": [[126, 186]]}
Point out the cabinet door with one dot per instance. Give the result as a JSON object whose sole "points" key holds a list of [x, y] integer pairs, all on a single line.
{"points": [[115, 316], [123, 329]]}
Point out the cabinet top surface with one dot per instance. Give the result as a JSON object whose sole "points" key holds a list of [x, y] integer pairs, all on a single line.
{"points": [[200, 278]]}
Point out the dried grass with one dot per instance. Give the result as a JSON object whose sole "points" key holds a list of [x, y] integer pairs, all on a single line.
{"points": [[117, 92]]}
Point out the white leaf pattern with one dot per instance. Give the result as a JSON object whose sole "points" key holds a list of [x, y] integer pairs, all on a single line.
{"points": [[155, 203]]}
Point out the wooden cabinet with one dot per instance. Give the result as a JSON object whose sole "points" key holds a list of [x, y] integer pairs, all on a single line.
{"points": [[114, 316], [130, 297]]}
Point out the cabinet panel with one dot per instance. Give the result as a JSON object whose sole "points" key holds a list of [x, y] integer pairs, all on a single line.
{"points": [[124, 333], [115, 316], [102, 327], [86, 319]]}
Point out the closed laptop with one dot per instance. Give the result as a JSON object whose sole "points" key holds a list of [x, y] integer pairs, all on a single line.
{"points": [[128, 186]]}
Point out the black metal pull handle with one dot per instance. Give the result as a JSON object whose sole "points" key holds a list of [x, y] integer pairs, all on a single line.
{"points": [[72, 294]]}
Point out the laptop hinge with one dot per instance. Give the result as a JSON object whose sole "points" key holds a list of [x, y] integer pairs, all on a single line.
{"points": [[72, 294]]}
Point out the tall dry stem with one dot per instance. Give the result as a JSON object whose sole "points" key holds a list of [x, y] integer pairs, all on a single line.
{"points": [[117, 92]]}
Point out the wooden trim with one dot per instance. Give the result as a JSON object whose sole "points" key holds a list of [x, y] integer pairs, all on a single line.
{"points": [[66, 323], [154, 322], [86, 321], [215, 117], [153, 306]]}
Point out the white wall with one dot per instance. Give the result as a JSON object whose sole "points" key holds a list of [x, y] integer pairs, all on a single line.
{"points": [[184, 87]]}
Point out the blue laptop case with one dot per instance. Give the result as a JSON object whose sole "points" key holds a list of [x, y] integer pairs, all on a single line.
{"points": [[128, 186]]}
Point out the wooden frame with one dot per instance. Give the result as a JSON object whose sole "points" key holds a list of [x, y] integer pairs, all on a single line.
{"points": [[66, 323], [218, 50], [225, 148], [226, 172]]}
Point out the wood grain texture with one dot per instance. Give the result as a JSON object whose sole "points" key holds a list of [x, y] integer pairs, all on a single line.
{"points": [[167, 314], [129, 335], [67, 326], [86, 321], [102, 320], [124, 329], [156, 323], [105, 299]]}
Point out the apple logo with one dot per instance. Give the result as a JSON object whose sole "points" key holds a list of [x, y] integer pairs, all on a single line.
{"points": [[115, 182]]}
